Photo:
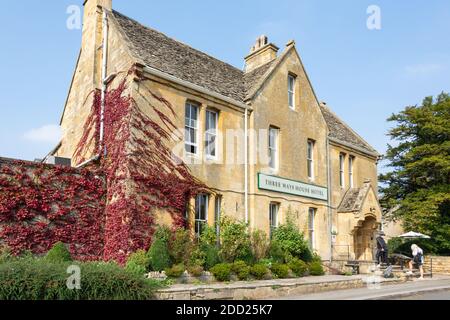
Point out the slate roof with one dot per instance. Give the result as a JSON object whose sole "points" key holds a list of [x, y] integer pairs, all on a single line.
{"points": [[354, 199], [177, 59], [254, 77], [339, 130], [182, 61]]}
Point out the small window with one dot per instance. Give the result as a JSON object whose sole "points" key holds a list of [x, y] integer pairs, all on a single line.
{"points": [[310, 159], [201, 213], [191, 128], [311, 223], [351, 161], [341, 170], [211, 133], [291, 91], [273, 217], [217, 214], [273, 148]]}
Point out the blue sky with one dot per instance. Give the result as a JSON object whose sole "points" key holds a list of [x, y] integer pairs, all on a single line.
{"points": [[364, 75]]}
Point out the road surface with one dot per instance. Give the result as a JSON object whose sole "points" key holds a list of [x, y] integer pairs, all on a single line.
{"points": [[428, 289]]}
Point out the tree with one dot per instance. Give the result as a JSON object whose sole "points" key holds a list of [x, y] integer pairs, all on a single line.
{"points": [[418, 187]]}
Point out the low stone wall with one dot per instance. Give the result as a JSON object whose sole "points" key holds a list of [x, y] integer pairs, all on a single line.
{"points": [[441, 265], [259, 289]]}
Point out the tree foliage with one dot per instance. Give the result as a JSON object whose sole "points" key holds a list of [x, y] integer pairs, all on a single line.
{"points": [[418, 186]]}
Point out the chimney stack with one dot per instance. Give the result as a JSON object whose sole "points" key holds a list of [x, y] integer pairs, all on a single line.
{"points": [[261, 53]]}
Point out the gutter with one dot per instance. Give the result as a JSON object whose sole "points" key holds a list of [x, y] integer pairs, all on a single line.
{"points": [[354, 147], [246, 166], [103, 93], [330, 210], [104, 64]]}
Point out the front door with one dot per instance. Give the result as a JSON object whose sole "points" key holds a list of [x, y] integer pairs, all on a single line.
{"points": [[363, 240]]}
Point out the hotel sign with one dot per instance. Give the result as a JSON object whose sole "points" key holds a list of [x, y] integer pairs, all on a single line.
{"points": [[292, 187]]}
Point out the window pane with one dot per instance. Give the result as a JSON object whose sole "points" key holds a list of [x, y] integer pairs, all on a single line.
{"points": [[272, 159], [194, 112], [309, 169], [273, 144], [312, 213]]}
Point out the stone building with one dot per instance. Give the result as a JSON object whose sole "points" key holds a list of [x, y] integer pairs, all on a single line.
{"points": [[258, 137]]}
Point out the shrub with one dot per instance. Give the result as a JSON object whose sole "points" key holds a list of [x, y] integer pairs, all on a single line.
{"points": [[197, 257], [195, 271], [211, 254], [234, 239], [316, 269], [181, 246], [158, 253], [276, 253], [208, 236], [266, 262], [260, 244], [138, 262], [176, 271], [259, 271], [221, 271], [241, 269], [245, 254], [5, 254], [298, 267], [40, 279], [280, 270], [58, 253], [164, 233], [292, 242]]}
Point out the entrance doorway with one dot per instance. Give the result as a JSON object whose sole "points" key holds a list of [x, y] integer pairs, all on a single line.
{"points": [[364, 240]]}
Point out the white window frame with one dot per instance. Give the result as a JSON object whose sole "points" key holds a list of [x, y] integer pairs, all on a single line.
{"points": [[274, 212], [198, 219], [351, 161], [311, 227], [189, 125], [291, 91], [342, 170], [273, 148], [211, 133], [310, 159]]}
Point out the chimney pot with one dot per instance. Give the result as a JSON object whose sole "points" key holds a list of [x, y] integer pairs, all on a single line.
{"points": [[261, 53]]}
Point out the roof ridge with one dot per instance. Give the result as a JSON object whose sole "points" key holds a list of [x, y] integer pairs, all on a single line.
{"points": [[177, 41]]}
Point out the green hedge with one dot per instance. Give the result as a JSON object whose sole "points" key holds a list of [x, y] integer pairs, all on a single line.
{"points": [[316, 269], [259, 271], [222, 271], [38, 279]]}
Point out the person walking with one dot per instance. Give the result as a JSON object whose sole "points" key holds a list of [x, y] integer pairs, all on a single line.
{"points": [[382, 250], [417, 260]]}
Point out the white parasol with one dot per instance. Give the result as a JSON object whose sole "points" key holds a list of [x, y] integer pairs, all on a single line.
{"points": [[414, 235]]}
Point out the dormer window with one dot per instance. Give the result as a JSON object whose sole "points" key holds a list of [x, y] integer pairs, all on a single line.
{"points": [[291, 91]]}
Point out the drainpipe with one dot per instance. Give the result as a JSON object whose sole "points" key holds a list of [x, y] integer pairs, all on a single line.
{"points": [[246, 164], [104, 62], [330, 210], [103, 92]]}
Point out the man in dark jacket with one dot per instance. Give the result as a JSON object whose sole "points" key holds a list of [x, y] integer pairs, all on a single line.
{"points": [[382, 249]]}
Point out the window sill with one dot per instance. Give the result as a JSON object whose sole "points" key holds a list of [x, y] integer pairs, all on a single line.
{"points": [[211, 159]]}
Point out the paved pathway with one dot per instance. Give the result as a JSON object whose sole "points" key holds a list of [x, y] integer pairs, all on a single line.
{"points": [[439, 285]]}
